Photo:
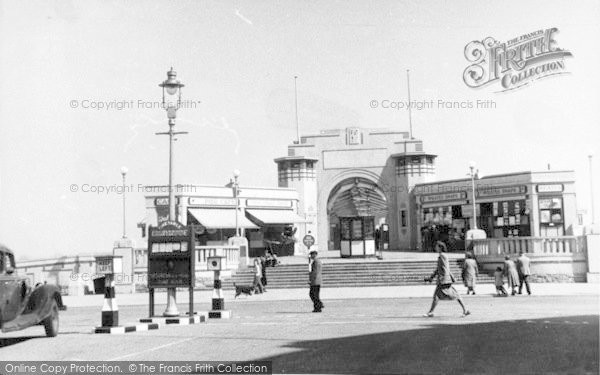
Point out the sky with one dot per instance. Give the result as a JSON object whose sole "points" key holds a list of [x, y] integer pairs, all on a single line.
{"points": [[79, 88]]}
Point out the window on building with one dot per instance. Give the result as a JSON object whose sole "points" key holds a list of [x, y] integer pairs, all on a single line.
{"points": [[403, 219]]}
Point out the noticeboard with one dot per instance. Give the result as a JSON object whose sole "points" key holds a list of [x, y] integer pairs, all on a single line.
{"points": [[171, 256]]}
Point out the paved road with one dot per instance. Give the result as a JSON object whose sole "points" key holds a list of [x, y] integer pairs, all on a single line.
{"points": [[514, 334]]}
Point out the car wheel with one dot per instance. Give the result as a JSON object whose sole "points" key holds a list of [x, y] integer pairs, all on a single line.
{"points": [[51, 322]]}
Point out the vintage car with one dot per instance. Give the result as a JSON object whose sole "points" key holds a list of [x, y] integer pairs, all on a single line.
{"points": [[22, 306]]}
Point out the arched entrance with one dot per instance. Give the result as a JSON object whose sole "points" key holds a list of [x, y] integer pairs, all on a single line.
{"points": [[355, 207]]}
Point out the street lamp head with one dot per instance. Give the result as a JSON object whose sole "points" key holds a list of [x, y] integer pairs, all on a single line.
{"points": [[472, 164], [591, 154], [236, 173], [124, 170], [171, 85]]}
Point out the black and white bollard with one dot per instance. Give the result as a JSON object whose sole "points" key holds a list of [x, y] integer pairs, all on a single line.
{"points": [[218, 302], [110, 309], [110, 266]]}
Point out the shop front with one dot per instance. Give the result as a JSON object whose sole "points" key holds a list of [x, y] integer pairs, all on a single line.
{"points": [[504, 212], [527, 204], [266, 217], [277, 227], [442, 219]]}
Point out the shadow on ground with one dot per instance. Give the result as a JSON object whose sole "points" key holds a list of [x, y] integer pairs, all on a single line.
{"points": [[565, 344], [15, 340]]}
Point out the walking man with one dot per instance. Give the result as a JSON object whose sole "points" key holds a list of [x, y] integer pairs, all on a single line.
{"points": [[444, 289], [315, 279], [524, 272]]}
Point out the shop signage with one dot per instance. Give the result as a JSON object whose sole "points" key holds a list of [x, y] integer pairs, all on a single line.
{"points": [[268, 203], [434, 198], [169, 229], [161, 202], [211, 201], [104, 266], [550, 188], [170, 264], [502, 191]]}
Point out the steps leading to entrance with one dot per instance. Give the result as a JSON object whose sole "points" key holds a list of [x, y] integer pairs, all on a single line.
{"points": [[354, 274]]}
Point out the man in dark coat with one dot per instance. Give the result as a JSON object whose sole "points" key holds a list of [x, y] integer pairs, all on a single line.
{"points": [[315, 280], [444, 289], [524, 272]]}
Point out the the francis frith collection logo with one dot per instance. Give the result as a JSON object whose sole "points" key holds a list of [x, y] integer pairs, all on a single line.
{"points": [[514, 63]]}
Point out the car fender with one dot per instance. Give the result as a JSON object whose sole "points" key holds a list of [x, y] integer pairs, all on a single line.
{"points": [[40, 301]]}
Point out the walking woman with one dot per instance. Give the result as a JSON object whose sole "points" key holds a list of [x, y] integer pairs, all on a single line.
{"points": [[470, 273], [511, 273], [444, 290], [258, 286]]}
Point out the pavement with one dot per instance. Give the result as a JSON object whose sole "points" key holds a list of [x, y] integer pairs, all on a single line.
{"points": [[516, 335], [409, 291]]}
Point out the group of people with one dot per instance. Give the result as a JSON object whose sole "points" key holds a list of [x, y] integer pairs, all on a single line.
{"points": [[517, 273], [269, 259]]}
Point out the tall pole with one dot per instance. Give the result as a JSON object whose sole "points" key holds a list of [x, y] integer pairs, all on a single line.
{"points": [[590, 156], [409, 105], [296, 105], [124, 173], [237, 201], [171, 190], [171, 87], [473, 192]]}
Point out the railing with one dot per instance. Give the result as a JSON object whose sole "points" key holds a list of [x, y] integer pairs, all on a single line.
{"points": [[534, 245], [231, 256]]}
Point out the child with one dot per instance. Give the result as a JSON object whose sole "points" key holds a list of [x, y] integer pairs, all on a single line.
{"points": [[498, 275]]}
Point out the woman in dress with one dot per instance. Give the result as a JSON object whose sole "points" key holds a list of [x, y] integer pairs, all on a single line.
{"points": [[511, 273], [444, 289], [470, 273]]}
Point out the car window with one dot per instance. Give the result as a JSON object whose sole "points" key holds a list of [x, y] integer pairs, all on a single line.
{"points": [[10, 261], [2, 261]]}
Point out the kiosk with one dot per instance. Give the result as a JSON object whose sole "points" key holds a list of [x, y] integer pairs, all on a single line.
{"points": [[357, 236]]}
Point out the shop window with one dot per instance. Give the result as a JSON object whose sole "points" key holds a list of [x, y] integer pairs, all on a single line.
{"points": [[429, 160], [551, 216], [415, 160], [401, 162]]}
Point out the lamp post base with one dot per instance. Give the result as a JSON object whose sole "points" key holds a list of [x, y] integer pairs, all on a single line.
{"points": [[171, 309]]}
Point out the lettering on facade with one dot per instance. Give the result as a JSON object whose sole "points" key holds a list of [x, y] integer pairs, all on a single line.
{"points": [[211, 201], [550, 188], [501, 191], [434, 198], [161, 202]]}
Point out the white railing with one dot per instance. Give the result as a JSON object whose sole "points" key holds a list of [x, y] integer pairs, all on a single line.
{"points": [[533, 245], [231, 256]]}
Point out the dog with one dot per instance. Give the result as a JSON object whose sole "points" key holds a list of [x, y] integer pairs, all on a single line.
{"points": [[243, 289]]}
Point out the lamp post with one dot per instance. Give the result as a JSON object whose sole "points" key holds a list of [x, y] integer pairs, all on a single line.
{"points": [[590, 157], [171, 103], [124, 171], [472, 167], [172, 87], [236, 192]]}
